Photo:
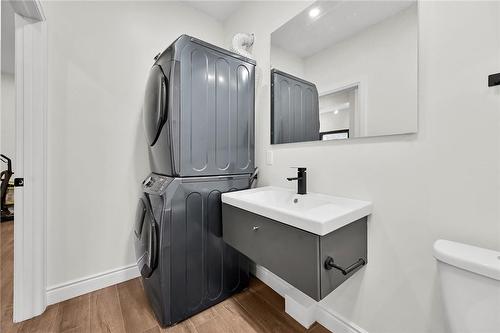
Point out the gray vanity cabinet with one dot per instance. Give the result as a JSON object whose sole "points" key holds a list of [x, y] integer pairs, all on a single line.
{"points": [[295, 255]]}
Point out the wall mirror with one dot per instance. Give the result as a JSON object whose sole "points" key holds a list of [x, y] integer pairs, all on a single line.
{"points": [[345, 69]]}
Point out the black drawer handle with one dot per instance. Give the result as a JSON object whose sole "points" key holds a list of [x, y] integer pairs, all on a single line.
{"points": [[329, 264]]}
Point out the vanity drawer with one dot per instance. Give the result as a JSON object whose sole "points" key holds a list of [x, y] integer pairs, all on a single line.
{"points": [[290, 253], [295, 255]]}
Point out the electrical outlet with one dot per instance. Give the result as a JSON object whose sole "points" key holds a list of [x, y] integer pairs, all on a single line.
{"points": [[269, 157]]}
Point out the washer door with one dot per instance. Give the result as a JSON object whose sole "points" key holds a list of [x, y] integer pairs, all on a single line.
{"points": [[155, 104], [146, 238]]}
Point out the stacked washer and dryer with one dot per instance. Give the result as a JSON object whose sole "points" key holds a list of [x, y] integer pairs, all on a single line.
{"points": [[199, 122]]}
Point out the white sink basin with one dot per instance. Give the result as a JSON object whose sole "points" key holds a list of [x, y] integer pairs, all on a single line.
{"points": [[317, 213]]}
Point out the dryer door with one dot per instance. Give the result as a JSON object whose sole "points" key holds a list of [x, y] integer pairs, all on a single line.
{"points": [[146, 238], [155, 104]]}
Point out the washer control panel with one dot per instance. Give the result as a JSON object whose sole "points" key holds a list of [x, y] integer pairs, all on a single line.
{"points": [[155, 183]]}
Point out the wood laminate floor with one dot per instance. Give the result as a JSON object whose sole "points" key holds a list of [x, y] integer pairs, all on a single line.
{"points": [[124, 308]]}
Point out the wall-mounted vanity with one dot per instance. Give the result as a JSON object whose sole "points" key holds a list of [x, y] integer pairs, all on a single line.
{"points": [[314, 241]]}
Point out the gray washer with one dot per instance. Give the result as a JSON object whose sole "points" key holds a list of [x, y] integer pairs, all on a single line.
{"points": [[185, 264]]}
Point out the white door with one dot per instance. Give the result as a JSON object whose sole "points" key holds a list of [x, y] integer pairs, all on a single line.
{"points": [[30, 166]]}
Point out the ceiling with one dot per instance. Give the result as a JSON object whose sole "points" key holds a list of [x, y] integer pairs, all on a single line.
{"points": [[301, 35], [337, 20], [7, 38], [220, 10]]}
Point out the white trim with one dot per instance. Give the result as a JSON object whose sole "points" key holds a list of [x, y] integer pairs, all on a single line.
{"points": [[303, 308], [74, 288], [276, 283], [30, 164], [335, 322], [300, 307], [361, 112], [31, 9], [336, 87]]}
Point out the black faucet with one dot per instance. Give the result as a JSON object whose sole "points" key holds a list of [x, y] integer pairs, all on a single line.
{"points": [[301, 180]]}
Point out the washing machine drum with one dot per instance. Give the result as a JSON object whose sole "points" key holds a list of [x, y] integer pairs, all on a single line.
{"points": [[146, 238]]}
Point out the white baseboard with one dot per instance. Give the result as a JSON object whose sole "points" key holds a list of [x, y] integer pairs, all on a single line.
{"points": [[74, 288], [299, 306], [335, 322]]}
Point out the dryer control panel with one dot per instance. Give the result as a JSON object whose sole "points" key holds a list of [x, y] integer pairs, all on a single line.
{"points": [[156, 184]]}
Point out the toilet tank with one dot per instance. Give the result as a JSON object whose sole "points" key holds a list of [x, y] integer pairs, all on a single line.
{"points": [[470, 283]]}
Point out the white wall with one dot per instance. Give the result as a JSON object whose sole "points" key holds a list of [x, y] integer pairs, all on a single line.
{"points": [[286, 61], [439, 183], [8, 38], [99, 57], [383, 58], [8, 118]]}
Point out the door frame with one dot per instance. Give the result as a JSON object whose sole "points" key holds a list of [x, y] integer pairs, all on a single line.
{"points": [[359, 127], [30, 199]]}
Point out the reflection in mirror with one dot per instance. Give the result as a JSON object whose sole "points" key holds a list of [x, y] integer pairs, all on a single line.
{"points": [[337, 112], [345, 69]]}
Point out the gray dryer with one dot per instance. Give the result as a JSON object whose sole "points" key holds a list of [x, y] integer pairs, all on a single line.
{"points": [[294, 109], [199, 111]]}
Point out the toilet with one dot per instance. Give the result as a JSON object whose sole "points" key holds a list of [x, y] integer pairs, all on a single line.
{"points": [[470, 283]]}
